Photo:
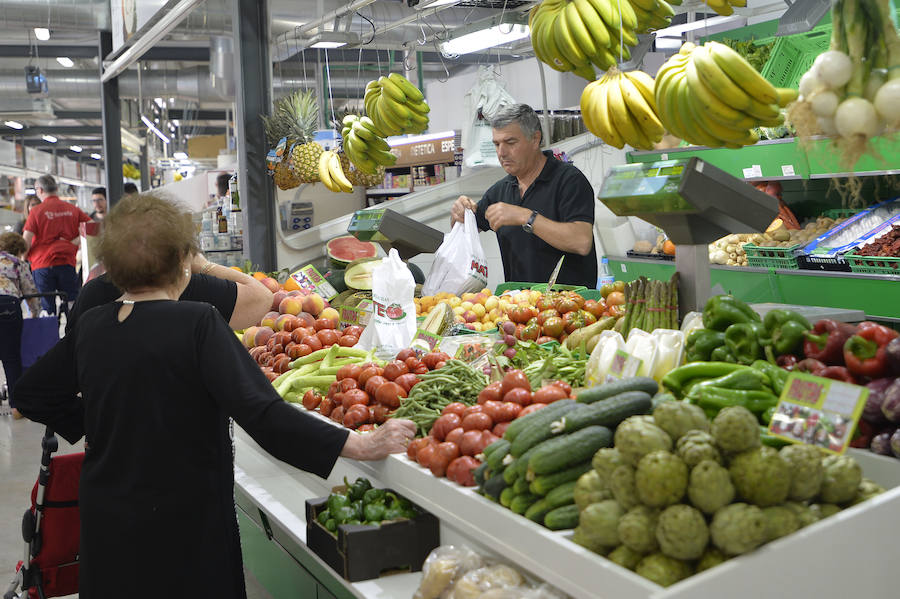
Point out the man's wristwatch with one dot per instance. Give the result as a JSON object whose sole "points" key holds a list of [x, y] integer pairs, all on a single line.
{"points": [[529, 226]]}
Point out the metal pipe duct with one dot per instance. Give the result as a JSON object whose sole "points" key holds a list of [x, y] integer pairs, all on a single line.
{"points": [[82, 15]]}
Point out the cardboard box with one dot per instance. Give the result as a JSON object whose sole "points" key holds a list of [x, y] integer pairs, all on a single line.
{"points": [[363, 552]]}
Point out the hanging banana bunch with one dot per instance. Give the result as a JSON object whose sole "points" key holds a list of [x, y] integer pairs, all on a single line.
{"points": [[620, 109], [364, 144], [396, 106]]}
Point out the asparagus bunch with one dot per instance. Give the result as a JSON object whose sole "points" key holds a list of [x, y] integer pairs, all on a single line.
{"points": [[651, 305]]}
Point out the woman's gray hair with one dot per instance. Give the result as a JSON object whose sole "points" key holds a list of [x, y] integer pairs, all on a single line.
{"points": [[522, 114]]}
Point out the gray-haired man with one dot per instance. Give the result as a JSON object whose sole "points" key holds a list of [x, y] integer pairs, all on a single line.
{"points": [[544, 209]]}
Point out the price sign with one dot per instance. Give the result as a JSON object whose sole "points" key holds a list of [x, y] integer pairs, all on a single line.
{"points": [[818, 411], [623, 366], [425, 341], [360, 314], [311, 281]]}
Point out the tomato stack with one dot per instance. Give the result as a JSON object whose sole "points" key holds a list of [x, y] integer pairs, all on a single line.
{"points": [[555, 316]]}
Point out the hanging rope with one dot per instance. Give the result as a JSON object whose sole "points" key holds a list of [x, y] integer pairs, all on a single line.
{"points": [[330, 93]]}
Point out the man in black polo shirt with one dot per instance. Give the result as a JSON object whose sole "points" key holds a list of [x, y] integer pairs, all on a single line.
{"points": [[543, 210]]}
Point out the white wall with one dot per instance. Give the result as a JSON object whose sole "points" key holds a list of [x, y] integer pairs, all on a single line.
{"points": [[193, 191]]}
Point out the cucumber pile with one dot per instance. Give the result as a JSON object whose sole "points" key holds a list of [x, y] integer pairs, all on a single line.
{"points": [[533, 469]]}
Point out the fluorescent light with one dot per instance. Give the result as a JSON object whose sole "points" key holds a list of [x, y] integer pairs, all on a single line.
{"points": [[14, 125], [483, 39], [436, 3], [76, 148], [171, 127], [171, 100], [65, 61], [179, 156], [159, 102], [95, 156], [328, 45], [176, 122], [415, 139], [30, 191], [49, 138], [153, 128], [42, 33]]}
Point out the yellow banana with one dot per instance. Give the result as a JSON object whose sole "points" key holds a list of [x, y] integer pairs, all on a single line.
{"points": [[368, 137], [413, 93], [721, 7], [386, 121], [417, 119], [587, 108], [337, 173], [713, 106], [324, 175], [566, 43], [618, 49], [537, 21], [355, 148], [370, 125], [786, 95], [765, 112], [420, 108], [647, 5], [738, 3], [557, 59], [579, 32], [607, 130], [619, 114], [584, 20], [644, 83], [390, 89], [366, 165], [721, 132], [625, 35], [383, 158], [695, 133], [665, 10], [643, 112], [776, 122], [718, 82], [668, 75], [607, 13], [397, 112], [740, 71], [604, 59]]}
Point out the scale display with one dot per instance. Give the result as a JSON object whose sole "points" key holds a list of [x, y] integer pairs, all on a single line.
{"points": [[391, 229], [365, 225], [646, 187]]}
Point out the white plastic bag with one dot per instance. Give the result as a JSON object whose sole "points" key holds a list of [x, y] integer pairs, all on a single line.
{"points": [[459, 264], [393, 323], [484, 100]]}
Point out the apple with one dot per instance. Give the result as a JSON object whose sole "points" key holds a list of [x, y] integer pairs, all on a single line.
{"points": [[271, 284], [314, 304], [269, 320], [290, 305], [287, 322], [277, 297], [332, 315], [470, 316]]}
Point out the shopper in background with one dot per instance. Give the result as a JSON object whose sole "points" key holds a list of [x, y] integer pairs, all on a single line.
{"points": [[15, 281], [51, 232], [98, 197], [543, 210], [30, 202], [155, 410], [129, 190]]}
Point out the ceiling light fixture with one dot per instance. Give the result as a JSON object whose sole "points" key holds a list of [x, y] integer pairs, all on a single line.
{"points": [[14, 125], [65, 61], [49, 138], [153, 128], [95, 156], [482, 39], [414, 139], [159, 102], [179, 156], [326, 40], [76, 148], [42, 33]]}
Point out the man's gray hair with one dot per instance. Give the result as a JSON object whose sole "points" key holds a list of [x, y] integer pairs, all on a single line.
{"points": [[522, 114], [47, 183]]}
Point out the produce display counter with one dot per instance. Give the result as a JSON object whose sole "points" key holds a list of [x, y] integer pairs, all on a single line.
{"points": [[816, 560], [873, 294]]}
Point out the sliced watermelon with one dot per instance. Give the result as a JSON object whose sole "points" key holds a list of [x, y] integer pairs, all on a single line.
{"points": [[344, 250]]}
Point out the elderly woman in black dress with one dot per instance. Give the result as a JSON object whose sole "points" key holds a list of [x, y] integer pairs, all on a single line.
{"points": [[151, 382]]}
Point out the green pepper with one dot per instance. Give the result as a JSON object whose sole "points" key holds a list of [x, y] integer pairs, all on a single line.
{"points": [[722, 311], [357, 509], [374, 512], [342, 514], [717, 398], [743, 339], [746, 378], [353, 521], [337, 501], [409, 513], [723, 354], [701, 343], [358, 489], [323, 517], [777, 376], [374, 496], [393, 513], [767, 415], [676, 380], [787, 331], [770, 440], [331, 525]]}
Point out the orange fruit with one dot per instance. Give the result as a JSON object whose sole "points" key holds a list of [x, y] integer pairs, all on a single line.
{"points": [[259, 276], [290, 285], [237, 268], [668, 248]]}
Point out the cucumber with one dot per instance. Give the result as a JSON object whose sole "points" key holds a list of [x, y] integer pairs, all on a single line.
{"points": [[538, 510], [507, 496], [539, 432], [494, 485], [562, 518], [496, 445], [562, 495], [567, 450], [479, 474], [511, 473], [521, 464], [552, 412], [640, 383], [521, 503], [608, 412], [520, 486], [545, 483], [495, 459]]}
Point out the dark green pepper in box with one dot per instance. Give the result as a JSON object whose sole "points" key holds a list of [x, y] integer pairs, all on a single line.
{"points": [[787, 330], [358, 489], [722, 311], [357, 509], [342, 514], [374, 496], [323, 517], [331, 525], [374, 512], [723, 354], [393, 513], [717, 398], [743, 339], [701, 343], [337, 501]]}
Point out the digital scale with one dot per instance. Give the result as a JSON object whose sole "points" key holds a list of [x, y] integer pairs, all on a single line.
{"points": [[391, 229], [695, 203]]}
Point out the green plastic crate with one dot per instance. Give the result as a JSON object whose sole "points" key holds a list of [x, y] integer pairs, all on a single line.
{"points": [[774, 257], [542, 287], [787, 63], [837, 213], [878, 265], [510, 285]]}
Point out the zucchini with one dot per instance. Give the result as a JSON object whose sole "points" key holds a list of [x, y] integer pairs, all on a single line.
{"points": [[562, 518], [507, 496], [562, 495], [520, 486], [495, 459], [567, 450], [511, 473], [494, 485], [545, 483], [538, 510], [539, 431], [608, 412], [479, 474], [556, 410], [640, 383], [521, 503]]}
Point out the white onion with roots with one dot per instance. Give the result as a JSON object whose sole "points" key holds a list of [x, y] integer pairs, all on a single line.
{"points": [[834, 68], [826, 124], [824, 103], [809, 83], [887, 102], [856, 116]]}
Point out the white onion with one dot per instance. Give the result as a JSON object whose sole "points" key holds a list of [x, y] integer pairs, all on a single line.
{"points": [[826, 124], [809, 83], [835, 68], [824, 103], [856, 116], [887, 101]]}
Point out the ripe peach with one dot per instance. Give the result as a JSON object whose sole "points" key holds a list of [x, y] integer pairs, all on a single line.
{"points": [[272, 284], [249, 334], [307, 320], [269, 320], [470, 316], [294, 292], [332, 315], [261, 336], [314, 304], [286, 322], [290, 305], [277, 297]]}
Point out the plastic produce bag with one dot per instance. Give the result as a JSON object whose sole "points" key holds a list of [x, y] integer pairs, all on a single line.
{"points": [[442, 568], [393, 323], [476, 582], [459, 264], [482, 102]]}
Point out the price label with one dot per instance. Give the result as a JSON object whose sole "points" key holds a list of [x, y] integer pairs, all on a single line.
{"points": [[787, 170], [360, 314], [755, 171], [818, 411], [623, 366], [311, 281], [425, 341]]}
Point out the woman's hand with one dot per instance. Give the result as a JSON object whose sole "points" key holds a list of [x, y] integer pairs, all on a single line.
{"points": [[391, 437]]}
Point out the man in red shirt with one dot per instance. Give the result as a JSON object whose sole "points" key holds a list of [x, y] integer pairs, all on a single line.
{"points": [[51, 231]]}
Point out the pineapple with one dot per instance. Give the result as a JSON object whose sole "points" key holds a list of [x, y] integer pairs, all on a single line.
{"points": [[285, 177], [305, 158], [357, 177], [295, 117]]}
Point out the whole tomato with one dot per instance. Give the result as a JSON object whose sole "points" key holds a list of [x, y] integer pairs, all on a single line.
{"points": [[518, 395], [564, 305], [521, 314], [574, 321], [326, 406], [395, 369], [388, 394], [470, 443], [311, 399], [407, 381], [478, 421], [456, 435], [456, 407], [356, 416], [531, 332], [589, 318], [444, 453], [594, 307], [549, 394], [490, 393], [444, 425], [460, 470], [512, 379], [353, 397], [553, 327], [615, 311], [546, 302], [544, 315], [616, 298]]}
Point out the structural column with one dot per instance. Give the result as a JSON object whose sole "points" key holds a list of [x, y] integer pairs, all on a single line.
{"points": [[111, 112], [253, 90], [145, 165]]}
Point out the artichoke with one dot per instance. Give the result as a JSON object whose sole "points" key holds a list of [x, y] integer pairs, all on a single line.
{"points": [[682, 532], [590, 489], [710, 487], [738, 528], [711, 557], [780, 522], [806, 515], [585, 540], [807, 471], [636, 437], [625, 557], [842, 479], [867, 489], [605, 461], [621, 483], [735, 429], [823, 510], [663, 570], [660, 479], [637, 529], [696, 446], [679, 417], [761, 476], [599, 522]]}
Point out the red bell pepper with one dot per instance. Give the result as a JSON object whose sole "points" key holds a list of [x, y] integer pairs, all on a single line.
{"points": [[838, 373], [826, 341], [865, 352], [810, 365], [787, 361]]}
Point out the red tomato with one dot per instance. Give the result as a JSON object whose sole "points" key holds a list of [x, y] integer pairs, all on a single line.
{"points": [[413, 448], [563, 385], [295, 350], [326, 406], [531, 332], [545, 339], [334, 388], [519, 396], [425, 454], [407, 381], [323, 324], [395, 369], [270, 376], [455, 436], [374, 383], [616, 298], [444, 453], [304, 349], [565, 304], [356, 416], [532, 408], [349, 371], [472, 410], [545, 314], [444, 425], [554, 327], [589, 318], [282, 364], [328, 337], [508, 411], [491, 408], [545, 302], [500, 428], [477, 421], [313, 342], [380, 413], [594, 307], [311, 400], [471, 443], [487, 438], [490, 393], [456, 407], [439, 365], [412, 363], [388, 394], [297, 335], [337, 414], [421, 369], [460, 471], [365, 375], [514, 379], [549, 394], [405, 354], [353, 397], [353, 331], [348, 383], [348, 341]]}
